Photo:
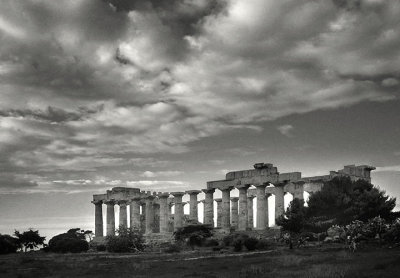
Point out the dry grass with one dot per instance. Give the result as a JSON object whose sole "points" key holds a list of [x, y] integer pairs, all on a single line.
{"points": [[309, 263]]}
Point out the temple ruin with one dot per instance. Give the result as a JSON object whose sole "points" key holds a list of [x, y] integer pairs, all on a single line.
{"points": [[151, 212]]}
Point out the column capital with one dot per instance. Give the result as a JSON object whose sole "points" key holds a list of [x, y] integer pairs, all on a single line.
{"points": [[97, 202], [218, 200], [164, 195], [262, 185], [234, 199], [201, 201], [177, 194], [243, 186], [193, 192], [109, 202], [251, 197], [149, 198], [209, 190]]}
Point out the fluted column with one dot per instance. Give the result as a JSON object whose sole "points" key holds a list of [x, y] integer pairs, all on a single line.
{"points": [[226, 211], [123, 221], [178, 217], [261, 207], [163, 212], [135, 213], [110, 217], [149, 214], [243, 210], [298, 190], [98, 218], [250, 213], [209, 207], [234, 212], [279, 201], [193, 213], [219, 212]]}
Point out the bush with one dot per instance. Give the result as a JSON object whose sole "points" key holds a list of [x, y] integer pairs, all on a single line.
{"points": [[263, 244], [126, 240], [101, 247], [8, 244], [173, 248], [72, 241], [250, 243], [193, 235], [238, 244], [210, 242]]}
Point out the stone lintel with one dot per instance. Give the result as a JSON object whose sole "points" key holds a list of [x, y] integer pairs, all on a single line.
{"points": [[99, 197], [109, 202], [239, 186], [208, 190], [220, 184], [150, 197], [193, 192], [97, 202], [291, 176]]}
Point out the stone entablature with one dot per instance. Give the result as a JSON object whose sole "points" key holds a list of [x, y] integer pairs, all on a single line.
{"points": [[151, 211]]}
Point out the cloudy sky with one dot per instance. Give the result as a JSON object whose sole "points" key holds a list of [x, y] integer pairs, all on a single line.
{"points": [[165, 95]]}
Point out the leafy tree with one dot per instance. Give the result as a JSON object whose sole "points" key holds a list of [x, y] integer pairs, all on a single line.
{"points": [[8, 244], [126, 240], [74, 240], [344, 201], [294, 219], [29, 239]]}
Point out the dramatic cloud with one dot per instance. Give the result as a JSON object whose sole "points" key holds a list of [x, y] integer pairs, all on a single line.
{"points": [[285, 130], [88, 88]]}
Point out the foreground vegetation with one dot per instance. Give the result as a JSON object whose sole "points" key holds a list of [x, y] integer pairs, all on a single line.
{"points": [[326, 262]]}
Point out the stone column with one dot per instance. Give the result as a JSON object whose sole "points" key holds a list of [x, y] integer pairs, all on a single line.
{"points": [[226, 211], [135, 213], [261, 207], [110, 217], [170, 222], [243, 210], [123, 221], [219, 212], [267, 195], [193, 213], [178, 217], [149, 214], [279, 200], [250, 214], [298, 190], [209, 207], [143, 216], [164, 212], [234, 212], [98, 218]]}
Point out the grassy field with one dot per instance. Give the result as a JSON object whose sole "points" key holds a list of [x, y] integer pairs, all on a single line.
{"points": [[312, 262]]}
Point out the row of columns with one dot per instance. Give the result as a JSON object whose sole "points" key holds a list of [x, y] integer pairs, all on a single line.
{"points": [[241, 210]]}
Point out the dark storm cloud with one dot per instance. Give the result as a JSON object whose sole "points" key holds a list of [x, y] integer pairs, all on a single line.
{"points": [[87, 87]]}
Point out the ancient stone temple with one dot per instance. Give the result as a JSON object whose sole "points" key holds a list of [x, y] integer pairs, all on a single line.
{"points": [[151, 211]]}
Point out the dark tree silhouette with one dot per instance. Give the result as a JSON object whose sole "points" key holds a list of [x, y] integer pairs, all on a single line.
{"points": [[344, 201], [29, 239]]}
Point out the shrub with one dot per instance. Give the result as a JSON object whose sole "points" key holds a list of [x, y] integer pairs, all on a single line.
{"points": [[101, 247], [126, 240], [72, 241], [262, 244], [250, 243], [210, 242], [173, 248], [8, 244], [228, 240], [238, 244], [193, 235]]}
